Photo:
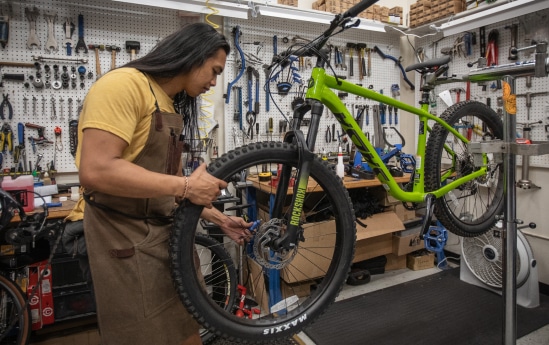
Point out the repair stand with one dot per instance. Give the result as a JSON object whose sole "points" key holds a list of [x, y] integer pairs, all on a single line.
{"points": [[510, 149]]}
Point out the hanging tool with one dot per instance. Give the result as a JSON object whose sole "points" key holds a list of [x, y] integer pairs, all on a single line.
{"points": [[68, 28], [41, 139], [251, 114], [97, 48], [492, 48], [6, 103], [5, 24], [51, 42], [398, 63], [20, 154], [351, 47], [81, 44], [32, 16], [6, 138], [133, 48], [114, 50], [236, 34], [513, 54], [362, 62], [73, 136]]}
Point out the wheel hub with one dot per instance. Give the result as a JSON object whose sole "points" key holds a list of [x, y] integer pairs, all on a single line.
{"points": [[263, 250]]}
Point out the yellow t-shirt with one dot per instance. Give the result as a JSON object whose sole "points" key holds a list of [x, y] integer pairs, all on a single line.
{"points": [[121, 103]]}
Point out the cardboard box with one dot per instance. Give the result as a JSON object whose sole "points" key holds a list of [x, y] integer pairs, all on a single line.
{"points": [[420, 260], [403, 245], [403, 214], [371, 247], [378, 224], [395, 262], [313, 262]]}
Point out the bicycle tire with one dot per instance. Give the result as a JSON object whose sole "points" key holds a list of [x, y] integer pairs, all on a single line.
{"points": [[15, 319], [469, 210], [219, 273], [332, 261]]}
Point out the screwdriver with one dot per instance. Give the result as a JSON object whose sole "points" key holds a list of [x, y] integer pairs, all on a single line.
{"points": [[270, 127]]}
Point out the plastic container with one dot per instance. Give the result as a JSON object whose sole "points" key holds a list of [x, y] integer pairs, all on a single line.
{"points": [[340, 168], [22, 189]]}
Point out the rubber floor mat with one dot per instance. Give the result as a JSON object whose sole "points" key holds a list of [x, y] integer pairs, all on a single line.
{"points": [[290, 341], [438, 309]]}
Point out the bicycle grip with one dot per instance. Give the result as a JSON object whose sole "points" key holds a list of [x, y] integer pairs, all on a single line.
{"points": [[356, 9]]}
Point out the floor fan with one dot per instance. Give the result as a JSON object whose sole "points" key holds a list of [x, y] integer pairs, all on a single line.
{"points": [[481, 265]]}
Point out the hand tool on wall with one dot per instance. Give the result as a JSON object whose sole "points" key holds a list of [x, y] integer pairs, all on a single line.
{"points": [[492, 48], [398, 63], [114, 50], [68, 29], [132, 47], [20, 149], [352, 47], [32, 16], [6, 104], [6, 138], [81, 44], [97, 48], [514, 37], [51, 42], [5, 16], [73, 136], [361, 47], [41, 139], [236, 34]]}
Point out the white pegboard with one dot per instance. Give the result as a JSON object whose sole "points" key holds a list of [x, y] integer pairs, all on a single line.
{"points": [[530, 27], [384, 73], [105, 23]]}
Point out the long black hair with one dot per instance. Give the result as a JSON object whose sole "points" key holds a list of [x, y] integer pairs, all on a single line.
{"points": [[187, 48]]}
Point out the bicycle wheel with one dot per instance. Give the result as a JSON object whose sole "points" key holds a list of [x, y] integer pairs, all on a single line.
{"points": [[279, 301], [470, 209], [15, 319], [219, 274]]}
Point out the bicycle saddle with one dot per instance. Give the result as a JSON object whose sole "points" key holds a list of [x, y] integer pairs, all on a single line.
{"points": [[428, 65]]}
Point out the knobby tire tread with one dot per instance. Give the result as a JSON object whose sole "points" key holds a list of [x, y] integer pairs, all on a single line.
{"points": [[433, 152], [186, 218]]}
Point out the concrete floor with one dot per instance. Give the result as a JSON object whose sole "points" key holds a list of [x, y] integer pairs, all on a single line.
{"points": [[390, 278]]}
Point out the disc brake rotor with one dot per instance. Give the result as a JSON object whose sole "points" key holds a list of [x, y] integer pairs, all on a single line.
{"points": [[267, 233]]}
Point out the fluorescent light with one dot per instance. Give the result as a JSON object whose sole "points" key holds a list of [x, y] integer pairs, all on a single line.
{"points": [[313, 16], [226, 9], [492, 15]]}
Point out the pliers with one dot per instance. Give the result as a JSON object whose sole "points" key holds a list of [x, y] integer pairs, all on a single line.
{"points": [[6, 138], [6, 102]]}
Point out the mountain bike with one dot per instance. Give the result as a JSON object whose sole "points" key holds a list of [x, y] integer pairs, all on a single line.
{"points": [[309, 233]]}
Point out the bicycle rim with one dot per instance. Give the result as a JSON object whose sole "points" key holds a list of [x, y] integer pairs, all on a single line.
{"points": [[470, 209], [15, 320], [219, 274], [287, 294]]}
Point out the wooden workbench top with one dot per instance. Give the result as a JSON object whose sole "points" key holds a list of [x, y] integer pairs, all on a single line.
{"points": [[348, 181]]}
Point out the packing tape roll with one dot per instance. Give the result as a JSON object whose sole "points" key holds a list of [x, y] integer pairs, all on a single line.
{"points": [[265, 176]]}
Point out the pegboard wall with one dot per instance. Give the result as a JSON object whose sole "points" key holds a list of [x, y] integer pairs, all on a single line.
{"points": [[530, 28], [257, 42], [37, 99]]}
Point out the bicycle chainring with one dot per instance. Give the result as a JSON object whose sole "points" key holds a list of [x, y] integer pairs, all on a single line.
{"points": [[267, 233]]}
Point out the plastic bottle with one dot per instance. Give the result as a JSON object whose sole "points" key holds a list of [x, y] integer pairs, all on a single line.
{"points": [[22, 188], [340, 168], [324, 155]]}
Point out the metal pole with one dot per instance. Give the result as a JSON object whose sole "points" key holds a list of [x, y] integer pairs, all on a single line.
{"points": [[510, 233]]}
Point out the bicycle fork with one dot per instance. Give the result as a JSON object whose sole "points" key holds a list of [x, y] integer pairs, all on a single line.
{"points": [[305, 158]]}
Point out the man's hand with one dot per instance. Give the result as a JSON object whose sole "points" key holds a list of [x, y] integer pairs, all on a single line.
{"points": [[236, 228]]}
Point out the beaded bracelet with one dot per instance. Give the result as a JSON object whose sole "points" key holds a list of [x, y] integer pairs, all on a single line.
{"points": [[186, 187]]}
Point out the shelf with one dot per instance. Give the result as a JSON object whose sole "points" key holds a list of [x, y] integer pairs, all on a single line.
{"points": [[244, 10], [490, 14]]}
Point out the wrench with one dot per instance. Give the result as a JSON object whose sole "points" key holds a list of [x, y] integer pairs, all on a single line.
{"points": [[81, 44], [68, 26], [33, 39], [51, 42]]}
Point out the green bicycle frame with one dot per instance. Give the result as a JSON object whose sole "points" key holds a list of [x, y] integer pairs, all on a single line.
{"points": [[320, 88]]}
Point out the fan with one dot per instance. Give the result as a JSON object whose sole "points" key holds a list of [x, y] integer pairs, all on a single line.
{"points": [[481, 265]]}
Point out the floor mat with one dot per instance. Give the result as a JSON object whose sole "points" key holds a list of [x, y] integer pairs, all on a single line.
{"points": [[438, 309]]}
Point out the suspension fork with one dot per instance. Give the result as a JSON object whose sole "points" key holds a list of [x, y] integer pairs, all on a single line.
{"points": [[305, 159]]}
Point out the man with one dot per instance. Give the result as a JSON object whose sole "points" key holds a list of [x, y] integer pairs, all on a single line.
{"points": [[129, 159]]}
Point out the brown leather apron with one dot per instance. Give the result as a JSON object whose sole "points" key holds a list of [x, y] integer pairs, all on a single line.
{"points": [[136, 301]]}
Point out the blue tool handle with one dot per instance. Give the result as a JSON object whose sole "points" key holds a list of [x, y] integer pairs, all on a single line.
{"points": [[242, 59], [21, 133], [54, 204], [80, 26]]}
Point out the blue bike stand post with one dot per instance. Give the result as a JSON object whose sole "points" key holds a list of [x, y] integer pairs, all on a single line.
{"points": [[275, 294], [435, 240]]}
